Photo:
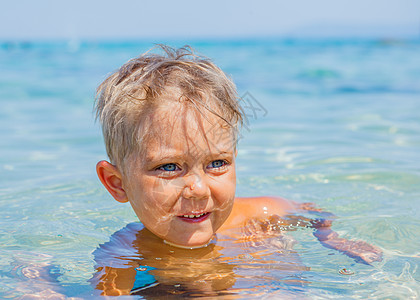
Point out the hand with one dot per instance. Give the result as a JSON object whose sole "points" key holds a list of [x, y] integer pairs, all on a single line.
{"points": [[359, 250], [363, 252]]}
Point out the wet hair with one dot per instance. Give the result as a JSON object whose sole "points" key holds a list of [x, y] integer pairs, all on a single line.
{"points": [[125, 98]]}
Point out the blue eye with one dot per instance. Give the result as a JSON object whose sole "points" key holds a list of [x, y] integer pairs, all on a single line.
{"points": [[168, 167], [217, 164]]}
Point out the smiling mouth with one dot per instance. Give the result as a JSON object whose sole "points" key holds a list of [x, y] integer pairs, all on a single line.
{"points": [[194, 217]]}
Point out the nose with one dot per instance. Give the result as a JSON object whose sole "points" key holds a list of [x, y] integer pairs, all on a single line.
{"points": [[196, 187]]}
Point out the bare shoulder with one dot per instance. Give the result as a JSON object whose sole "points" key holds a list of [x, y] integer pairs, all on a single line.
{"points": [[266, 205], [246, 208]]}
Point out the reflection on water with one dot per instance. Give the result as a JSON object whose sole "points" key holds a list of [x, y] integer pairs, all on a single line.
{"points": [[135, 261]]}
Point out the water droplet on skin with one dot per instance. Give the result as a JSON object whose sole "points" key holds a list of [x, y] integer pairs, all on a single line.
{"points": [[345, 271], [177, 285], [158, 258]]}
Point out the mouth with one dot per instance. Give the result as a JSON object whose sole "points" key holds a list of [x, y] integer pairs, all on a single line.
{"points": [[194, 218]]}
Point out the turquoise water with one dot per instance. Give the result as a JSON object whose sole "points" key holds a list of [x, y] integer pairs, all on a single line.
{"points": [[332, 122]]}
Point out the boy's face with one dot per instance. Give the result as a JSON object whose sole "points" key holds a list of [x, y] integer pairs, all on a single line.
{"points": [[182, 183]]}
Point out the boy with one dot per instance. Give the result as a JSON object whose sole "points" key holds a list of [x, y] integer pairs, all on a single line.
{"points": [[170, 124]]}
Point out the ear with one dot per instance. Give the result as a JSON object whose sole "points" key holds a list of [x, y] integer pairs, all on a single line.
{"points": [[112, 180]]}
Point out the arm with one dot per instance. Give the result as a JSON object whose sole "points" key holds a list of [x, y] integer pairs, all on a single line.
{"points": [[281, 214], [359, 250]]}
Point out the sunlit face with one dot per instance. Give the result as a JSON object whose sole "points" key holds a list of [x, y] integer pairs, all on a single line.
{"points": [[182, 184]]}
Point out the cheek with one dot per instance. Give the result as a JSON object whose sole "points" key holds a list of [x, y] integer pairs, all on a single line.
{"points": [[160, 192], [224, 188], [231, 179]]}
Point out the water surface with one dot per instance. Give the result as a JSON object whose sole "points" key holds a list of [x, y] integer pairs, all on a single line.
{"points": [[332, 122]]}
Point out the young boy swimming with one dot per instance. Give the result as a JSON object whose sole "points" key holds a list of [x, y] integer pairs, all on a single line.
{"points": [[170, 125]]}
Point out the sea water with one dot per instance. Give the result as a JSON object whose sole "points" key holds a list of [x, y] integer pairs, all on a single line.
{"points": [[334, 122]]}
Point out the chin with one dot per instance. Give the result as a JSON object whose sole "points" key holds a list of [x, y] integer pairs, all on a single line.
{"points": [[193, 243]]}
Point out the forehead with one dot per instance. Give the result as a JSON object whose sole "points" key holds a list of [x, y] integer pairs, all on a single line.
{"points": [[181, 126]]}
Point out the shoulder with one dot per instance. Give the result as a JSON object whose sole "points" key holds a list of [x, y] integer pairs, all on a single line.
{"points": [[264, 203], [246, 208]]}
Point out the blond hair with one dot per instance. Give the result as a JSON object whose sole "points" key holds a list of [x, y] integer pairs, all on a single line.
{"points": [[129, 93]]}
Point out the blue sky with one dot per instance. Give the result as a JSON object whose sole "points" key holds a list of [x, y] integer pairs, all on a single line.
{"points": [[85, 19]]}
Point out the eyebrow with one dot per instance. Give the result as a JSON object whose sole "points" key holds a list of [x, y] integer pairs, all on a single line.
{"points": [[164, 157], [180, 155]]}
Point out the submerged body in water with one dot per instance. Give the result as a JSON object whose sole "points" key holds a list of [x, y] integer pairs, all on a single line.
{"points": [[242, 259], [137, 262]]}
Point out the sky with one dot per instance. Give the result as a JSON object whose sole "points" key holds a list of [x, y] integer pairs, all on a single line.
{"points": [[124, 19]]}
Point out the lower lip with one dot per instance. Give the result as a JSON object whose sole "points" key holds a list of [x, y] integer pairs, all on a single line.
{"points": [[195, 220]]}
